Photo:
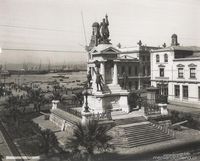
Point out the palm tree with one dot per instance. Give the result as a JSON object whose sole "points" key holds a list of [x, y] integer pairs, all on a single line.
{"points": [[48, 140], [90, 137], [1, 157]]}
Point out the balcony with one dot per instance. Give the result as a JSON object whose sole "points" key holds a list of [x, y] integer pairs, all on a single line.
{"points": [[161, 78]]}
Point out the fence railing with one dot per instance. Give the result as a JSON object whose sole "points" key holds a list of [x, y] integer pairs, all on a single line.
{"points": [[164, 128], [151, 109], [102, 116], [73, 112], [161, 99]]}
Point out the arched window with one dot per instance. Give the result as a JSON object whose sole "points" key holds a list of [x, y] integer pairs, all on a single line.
{"points": [[157, 58], [165, 58]]}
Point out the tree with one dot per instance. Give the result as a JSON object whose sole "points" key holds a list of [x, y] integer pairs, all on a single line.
{"points": [[79, 98], [1, 157], [48, 140], [90, 137], [134, 100], [12, 104], [36, 97], [24, 102]]}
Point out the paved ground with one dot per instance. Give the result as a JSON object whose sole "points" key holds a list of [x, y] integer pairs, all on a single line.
{"points": [[45, 124], [184, 108], [4, 149]]}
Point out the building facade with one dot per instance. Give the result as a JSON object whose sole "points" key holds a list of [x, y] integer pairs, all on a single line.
{"points": [[138, 73], [175, 70]]}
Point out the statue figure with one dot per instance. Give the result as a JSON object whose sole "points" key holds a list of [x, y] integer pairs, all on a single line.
{"points": [[140, 43], [89, 78], [99, 80], [104, 30], [125, 80]]}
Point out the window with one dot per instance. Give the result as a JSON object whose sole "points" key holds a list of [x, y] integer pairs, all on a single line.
{"points": [[148, 58], [185, 91], [136, 84], [148, 70], [123, 69], [129, 70], [192, 73], [144, 70], [180, 72], [157, 58], [165, 89], [165, 58], [130, 85], [199, 93], [177, 91], [143, 58], [136, 70], [162, 72]]}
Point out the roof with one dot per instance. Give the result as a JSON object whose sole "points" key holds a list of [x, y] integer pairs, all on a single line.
{"points": [[95, 24], [174, 35], [129, 49], [183, 48], [194, 55], [127, 57], [104, 48], [138, 48]]}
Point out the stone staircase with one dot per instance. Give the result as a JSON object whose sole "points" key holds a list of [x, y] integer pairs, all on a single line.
{"points": [[139, 134], [130, 120], [115, 106], [111, 89]]}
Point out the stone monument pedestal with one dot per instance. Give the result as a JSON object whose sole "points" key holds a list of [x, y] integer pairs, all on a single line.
{"points": [[86, 117], [55, 104], [163, 108], [102, 103]]}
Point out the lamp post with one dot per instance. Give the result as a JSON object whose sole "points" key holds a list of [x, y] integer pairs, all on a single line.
{"points": [[85, 92], [86, 114]]}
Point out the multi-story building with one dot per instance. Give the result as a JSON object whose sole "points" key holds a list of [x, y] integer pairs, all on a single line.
{"points": [[138, 73], [175, 70]]}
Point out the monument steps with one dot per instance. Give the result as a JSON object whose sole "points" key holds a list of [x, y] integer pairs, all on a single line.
{"points": [[139, 134], [130, 120], [115, 106], [106, 89], [118, 135], [115, 88]]}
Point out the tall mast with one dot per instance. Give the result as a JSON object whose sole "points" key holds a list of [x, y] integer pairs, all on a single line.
{"points": [[84, 28]]}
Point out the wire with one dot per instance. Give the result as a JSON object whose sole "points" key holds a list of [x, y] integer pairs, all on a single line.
{"points": [[60, 51], [84, 28], [33, 28]]}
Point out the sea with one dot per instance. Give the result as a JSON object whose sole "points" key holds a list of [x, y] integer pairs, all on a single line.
{"points": [[68, 79]]}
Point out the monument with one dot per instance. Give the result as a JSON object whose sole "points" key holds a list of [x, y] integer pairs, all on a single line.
{"points": [[105, 93]]}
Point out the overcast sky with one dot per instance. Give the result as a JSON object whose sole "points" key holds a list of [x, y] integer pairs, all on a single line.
{"points": [[57, 25]]}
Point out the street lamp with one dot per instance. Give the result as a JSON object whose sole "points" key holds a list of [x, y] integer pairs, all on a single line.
{"points": [[86, 93]]}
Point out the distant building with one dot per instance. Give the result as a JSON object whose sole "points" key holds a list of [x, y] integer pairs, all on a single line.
{"points": [[175, 70], [135, 61]]}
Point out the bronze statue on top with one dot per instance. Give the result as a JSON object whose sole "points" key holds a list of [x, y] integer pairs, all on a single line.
{"points": [[104, 31], [100, 34]]}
